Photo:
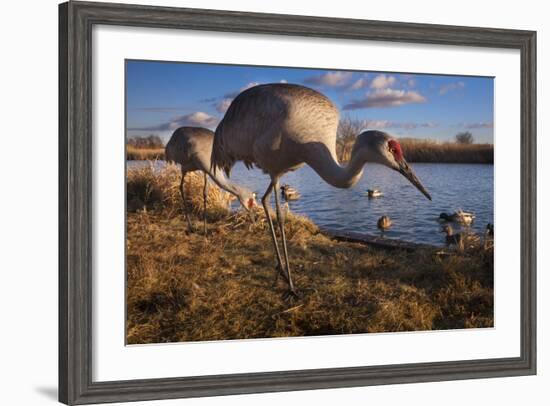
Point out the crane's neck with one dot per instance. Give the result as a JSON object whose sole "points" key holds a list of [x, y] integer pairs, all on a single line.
{"points": [[240, 192], [324, 162]]}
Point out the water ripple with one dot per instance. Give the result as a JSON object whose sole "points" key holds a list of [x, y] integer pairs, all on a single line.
{"points": [[452, 186]]}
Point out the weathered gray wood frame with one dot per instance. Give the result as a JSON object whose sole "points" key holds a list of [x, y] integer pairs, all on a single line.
{"points": [[76, 20]]}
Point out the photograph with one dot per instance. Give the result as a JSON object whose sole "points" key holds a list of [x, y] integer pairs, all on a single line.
{"points": [[271, 202]]}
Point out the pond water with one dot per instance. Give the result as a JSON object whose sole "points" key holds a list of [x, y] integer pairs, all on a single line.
{"points": [[452, 186]]}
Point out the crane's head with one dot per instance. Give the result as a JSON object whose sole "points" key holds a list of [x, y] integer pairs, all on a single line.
{"points": [[380, 147], [248, 200]]}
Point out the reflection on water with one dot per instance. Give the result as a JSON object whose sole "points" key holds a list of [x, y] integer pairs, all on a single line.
{"points": [[452, 186]]}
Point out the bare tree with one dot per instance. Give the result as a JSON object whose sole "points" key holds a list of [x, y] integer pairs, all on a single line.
{"points": [[348, 130], [152, 141], [465, 137]]}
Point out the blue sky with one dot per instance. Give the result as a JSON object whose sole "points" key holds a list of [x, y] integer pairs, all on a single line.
{"points": [[162, 96]]}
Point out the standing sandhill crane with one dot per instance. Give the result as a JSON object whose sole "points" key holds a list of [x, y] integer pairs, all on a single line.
{"points": [[191, 147], [279, 127]]}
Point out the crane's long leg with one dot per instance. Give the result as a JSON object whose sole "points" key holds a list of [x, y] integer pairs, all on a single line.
{"points": [[185, 211], [204, 198], [281, 221], [265, 203]]}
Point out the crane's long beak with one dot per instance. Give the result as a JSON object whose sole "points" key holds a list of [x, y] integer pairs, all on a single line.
{"points": [[406, 171]]}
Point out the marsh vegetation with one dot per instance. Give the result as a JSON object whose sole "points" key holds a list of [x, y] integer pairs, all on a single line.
{"points": [[182, 286]]}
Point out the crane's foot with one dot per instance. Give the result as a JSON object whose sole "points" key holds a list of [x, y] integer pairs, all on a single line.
{"points": [[190, 228], [291, 295], [252, 218], [279, 272]]}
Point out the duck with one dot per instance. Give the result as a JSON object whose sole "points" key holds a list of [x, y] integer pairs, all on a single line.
{"points": [[459, 216], [374, 193], [488, 241], [490, 230], [289, 193], [384, 223], [451, 238]]}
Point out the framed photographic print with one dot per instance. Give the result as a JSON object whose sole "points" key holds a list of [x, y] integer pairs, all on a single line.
{"points": [[257, 202]]}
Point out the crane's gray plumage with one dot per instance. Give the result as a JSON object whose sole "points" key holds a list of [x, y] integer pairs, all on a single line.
{"points": [[279, 127], [191, 147]]}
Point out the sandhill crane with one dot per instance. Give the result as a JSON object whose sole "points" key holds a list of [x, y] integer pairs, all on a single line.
{"points": [[279, 127], [383, 223], [459, 216], [374, 193], [191, 147]]}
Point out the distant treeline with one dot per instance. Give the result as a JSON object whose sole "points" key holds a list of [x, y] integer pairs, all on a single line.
{"points": [[141, 154], [448, 152], [415, 150], [145, 142], [463, 150], [141, 148]]}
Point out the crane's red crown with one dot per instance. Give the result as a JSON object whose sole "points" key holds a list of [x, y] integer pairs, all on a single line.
{"points": [[395, 149]]}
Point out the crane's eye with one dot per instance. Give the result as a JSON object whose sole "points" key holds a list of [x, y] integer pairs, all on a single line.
{"points": [[395, 149]]}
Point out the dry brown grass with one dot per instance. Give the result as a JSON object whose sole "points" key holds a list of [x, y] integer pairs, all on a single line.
{"points": [[150, 189], [448, 152], [183, 287], [140, 154], [419, 150], [415, 151]]}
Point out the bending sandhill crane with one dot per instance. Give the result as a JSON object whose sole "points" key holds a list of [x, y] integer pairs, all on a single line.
{"points": [[191, 147], [279, 127]]}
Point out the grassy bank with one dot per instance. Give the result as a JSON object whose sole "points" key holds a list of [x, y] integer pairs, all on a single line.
{"points": [[183, 287], [415, 151], [449, 152], [140, 154]]}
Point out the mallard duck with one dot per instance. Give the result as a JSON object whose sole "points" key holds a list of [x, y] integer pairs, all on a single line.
{"points": [[459, 216], [290, 193], [450, 238], [488, 241], [374, 193], [384, 223]]}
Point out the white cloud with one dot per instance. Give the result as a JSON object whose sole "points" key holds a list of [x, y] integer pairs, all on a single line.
{"points": [[232, 95], [382, 81], [330, 79], [223, 105], [283, 81], [386, 98], [196, 119], [159, 109], [444, 89], [408, 125], [482, 124], [359, 84]]}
